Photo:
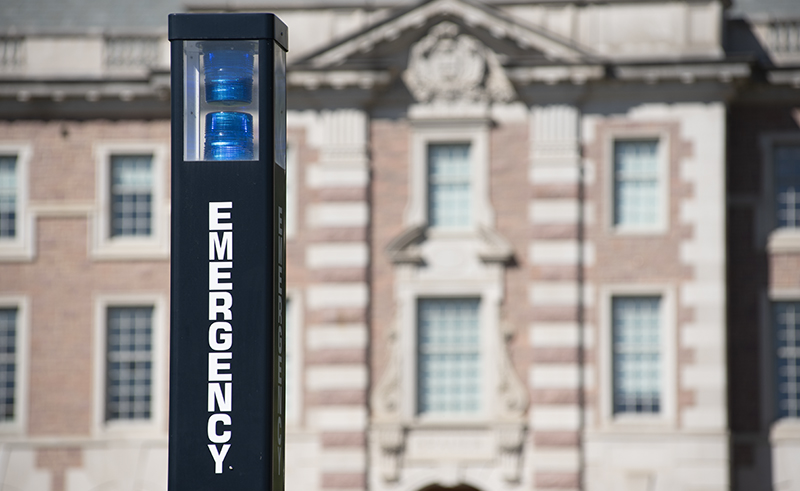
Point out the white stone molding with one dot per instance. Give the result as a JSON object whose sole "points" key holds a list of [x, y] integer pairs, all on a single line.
{"points": [[554, 136], [494, 248], [447, 65], [343, 137], [405, 247]]}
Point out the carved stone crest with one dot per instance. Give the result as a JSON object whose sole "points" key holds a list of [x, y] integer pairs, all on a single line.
{"points": [[446, 66]]}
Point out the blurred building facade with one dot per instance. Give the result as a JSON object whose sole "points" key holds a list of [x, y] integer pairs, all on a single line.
{"points": [[532, 245]]}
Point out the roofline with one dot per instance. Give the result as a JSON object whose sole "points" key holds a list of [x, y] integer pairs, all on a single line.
{"points": [[489, 10], [233, 5]]}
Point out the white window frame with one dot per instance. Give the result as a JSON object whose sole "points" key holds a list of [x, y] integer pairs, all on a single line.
{"points": [[780, 428], [489, 297], [666, 418], [22, 356], [662, 137], [154, 246], [156, 425], [21, 247], [778, 239], [295, 319], [474, 133]]}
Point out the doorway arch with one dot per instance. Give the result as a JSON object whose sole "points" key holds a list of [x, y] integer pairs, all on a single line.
{"points": [[460, 487]]}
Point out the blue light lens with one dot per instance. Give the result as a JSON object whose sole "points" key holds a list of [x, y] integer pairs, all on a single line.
{"points": [[228, 73], [229, 136]]}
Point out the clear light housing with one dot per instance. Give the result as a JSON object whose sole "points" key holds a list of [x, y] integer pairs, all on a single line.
{"points": [[220, 100]]}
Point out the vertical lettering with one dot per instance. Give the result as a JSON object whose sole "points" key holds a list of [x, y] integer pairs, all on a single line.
{"points": [[220, 341], [219, 457], [220, 333], [215, 364], [219, 399], [215, 214], [213, 421], [216, 277], [215, 307], [220, 248]]}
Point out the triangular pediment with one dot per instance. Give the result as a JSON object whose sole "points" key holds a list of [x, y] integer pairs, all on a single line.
{"points": [[388, 42]]}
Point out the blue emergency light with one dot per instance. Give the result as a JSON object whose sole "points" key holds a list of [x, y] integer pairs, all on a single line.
{"points": [[228, 73], [229, 136]]}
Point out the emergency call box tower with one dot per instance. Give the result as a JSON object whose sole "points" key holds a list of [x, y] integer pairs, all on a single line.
{"points": [[227, 334]]}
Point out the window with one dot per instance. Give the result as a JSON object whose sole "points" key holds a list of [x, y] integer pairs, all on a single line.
{"points": [[786, 173], [129, 365], [16, 222], [448, 356], [131, 195], [130, 389], [449, 176], [637, 188], [786, 321], [449, 190], [8, 364], [131, 219], [8, 197], [637, 355]]}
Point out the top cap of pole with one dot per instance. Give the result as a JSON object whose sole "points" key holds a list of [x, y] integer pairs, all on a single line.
{"points": [[228, 26]]}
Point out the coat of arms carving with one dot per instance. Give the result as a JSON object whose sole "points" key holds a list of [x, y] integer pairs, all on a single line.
{"points": [[449, 66]]}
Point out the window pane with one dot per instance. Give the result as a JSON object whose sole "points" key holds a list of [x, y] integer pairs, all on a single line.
{"points": [[130, 363], [449, 356], [449, 186], [636, 187], [8, 197], [787, 185], [637, 354], [131, 195], [786, 318], [8, 362]]}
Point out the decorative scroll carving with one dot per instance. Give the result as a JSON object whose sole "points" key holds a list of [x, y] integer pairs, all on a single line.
{"points": [[452, 67], [405, 247], [510, 439], [386, 398], [512, 394], [391, 440], [386, 414], [513, 404]]}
